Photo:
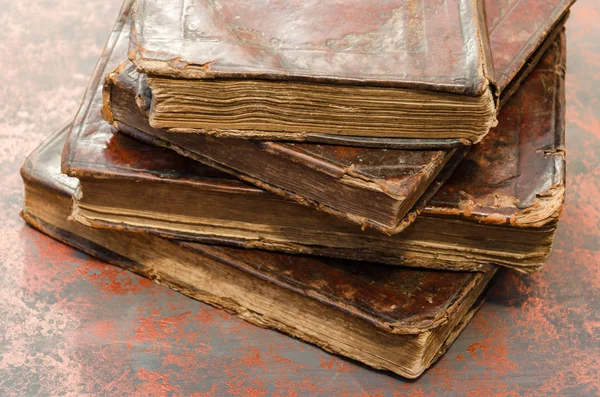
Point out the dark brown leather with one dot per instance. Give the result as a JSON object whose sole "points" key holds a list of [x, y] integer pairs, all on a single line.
{"points": [[516, 175], [388, 297], [322, 185], [493, 190], [434, 46], [398, 319], [96, 150], [440, 46], [517, 28]]}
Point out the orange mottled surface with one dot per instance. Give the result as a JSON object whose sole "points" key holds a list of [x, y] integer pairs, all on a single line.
{"points": [[72, 325]]}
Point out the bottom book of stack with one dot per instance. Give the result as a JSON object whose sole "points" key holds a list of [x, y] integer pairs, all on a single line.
{"points": [[388, 317]]}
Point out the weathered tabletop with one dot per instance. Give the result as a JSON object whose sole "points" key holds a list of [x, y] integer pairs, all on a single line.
{"points": [[71, 325]]}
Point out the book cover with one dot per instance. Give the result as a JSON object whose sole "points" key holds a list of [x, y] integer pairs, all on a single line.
{"points": [[389, 69], [382, 189]]}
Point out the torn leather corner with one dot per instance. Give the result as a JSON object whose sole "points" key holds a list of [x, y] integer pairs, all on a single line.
{"points": [[502, 200], [178, 63], [141, 103], [545, 209], [106, 110], [467, 203]]}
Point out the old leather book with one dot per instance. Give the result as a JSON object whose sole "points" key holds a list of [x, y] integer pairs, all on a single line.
{"points": [[324, 70], [392, 318], [501, 205]]}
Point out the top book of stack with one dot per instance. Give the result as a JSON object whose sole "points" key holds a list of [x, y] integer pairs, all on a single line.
{"points": [[383, 73]]}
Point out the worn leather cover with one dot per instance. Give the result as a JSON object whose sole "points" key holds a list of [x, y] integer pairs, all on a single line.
{"points": [[381, 189], [213, 151], [517, 28], [516, 175], [398, 301], [420, 297], [439, 45], [395, 174]]}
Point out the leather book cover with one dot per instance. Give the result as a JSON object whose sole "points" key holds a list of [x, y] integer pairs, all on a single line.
{"points": [[517, 31], [414, 44], [430, 44], [393, 318], [286, 71], [512, 212]]}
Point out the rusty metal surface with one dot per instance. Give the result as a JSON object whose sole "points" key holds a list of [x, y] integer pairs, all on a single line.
{"points": [[72, 325]]}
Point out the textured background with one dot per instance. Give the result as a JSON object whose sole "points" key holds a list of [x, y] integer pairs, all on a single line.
{"points": [[71, 325]]}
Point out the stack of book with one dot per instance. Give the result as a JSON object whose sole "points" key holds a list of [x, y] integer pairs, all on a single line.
{"points": [[349, 173]]}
